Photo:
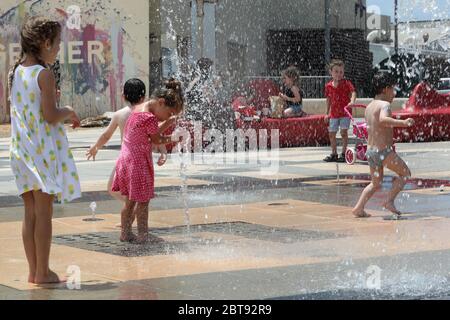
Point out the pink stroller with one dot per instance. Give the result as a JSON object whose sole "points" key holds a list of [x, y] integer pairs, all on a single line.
{"points": [[360, 131]]}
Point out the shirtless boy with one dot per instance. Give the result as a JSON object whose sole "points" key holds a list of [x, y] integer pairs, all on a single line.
{"points": [[380, 154]]}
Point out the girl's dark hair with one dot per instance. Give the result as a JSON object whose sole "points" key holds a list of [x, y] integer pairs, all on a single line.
{"points": [[382, 80], [172, 93], [204, 64], [134, 90], [34, 33], [204, 68], [294, 74]]}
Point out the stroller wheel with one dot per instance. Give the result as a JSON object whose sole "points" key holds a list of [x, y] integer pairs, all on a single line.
{"points": [[350, 155]]}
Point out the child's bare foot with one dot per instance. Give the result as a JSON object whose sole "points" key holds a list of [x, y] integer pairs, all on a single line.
{"points": [[128, 237], [142, 238], [154, 239], [360, 214], [31, 278], [391, 207], [50, 278], [119, 225]]}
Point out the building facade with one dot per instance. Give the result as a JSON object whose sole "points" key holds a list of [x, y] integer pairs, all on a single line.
{"points": [[234, 33], [102, 45], [114, 40]]}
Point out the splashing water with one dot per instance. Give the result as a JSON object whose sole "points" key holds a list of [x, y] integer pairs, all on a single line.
{"points": [[184, 196], [182, 148], [337, 173], [395, 284], [93, 207], [171, 35]]}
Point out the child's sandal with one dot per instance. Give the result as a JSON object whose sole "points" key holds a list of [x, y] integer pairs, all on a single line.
{"points": [[331, 158]]}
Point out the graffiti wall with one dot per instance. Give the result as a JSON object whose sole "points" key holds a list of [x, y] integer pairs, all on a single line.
{"points": [[104, 43]]}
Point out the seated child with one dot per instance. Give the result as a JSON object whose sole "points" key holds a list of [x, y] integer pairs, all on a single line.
{"points": [[292, 94]]}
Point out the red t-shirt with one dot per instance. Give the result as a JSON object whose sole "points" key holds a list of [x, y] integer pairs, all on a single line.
{"points": [[339, 97]]}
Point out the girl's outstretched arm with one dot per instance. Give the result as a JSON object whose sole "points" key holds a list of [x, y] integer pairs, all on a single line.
{"points": [[387, 120], [104, 138]]}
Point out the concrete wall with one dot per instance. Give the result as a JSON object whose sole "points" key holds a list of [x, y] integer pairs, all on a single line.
{"points": [[304, 48], [175, 21], [111, 46], [155, 30], [246, 23]]}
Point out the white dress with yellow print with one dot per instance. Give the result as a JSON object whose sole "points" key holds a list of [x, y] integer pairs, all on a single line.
{"points": [[40, 155]]}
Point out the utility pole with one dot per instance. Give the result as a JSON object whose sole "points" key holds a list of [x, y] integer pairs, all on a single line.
{"points": [[327, 33]]}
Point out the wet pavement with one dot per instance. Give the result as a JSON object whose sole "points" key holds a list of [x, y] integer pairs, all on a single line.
{"points": [[287, 234]]}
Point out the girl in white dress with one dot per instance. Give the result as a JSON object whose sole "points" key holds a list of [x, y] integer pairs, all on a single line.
{"points": [[41, 160]]}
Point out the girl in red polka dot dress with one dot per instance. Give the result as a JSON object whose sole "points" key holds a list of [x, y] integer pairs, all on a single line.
{"points": [[134, 177]]}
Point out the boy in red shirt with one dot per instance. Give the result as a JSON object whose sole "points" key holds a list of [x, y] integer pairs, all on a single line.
{"points": [[339, 92]]}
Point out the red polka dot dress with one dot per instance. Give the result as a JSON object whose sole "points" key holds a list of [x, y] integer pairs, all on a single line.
{"points": [[134, 177]]}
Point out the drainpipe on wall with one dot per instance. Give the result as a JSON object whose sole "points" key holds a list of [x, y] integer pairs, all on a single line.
{"points": [[200, 16]]}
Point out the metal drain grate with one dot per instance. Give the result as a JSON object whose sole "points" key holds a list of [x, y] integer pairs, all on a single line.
{"points": [[108, 242], [252, 231]]}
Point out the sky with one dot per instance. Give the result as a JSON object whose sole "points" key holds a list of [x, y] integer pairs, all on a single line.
{"points": [[413, 10]]}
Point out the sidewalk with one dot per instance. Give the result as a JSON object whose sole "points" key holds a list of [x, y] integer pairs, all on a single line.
{"points": [[287, 235]]}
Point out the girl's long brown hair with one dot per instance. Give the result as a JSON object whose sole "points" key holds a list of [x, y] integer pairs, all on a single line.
{"points": [[172, 94], [294, 74], [34, 33]]}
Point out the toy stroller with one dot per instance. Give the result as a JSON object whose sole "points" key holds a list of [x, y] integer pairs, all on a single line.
{"points": [[360, 131]]}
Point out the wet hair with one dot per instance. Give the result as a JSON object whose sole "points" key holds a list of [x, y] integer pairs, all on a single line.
{"points": [[203, 68], [335, 63], [292, 73], [204, 64], [382, 80], [34, 33], [172, 93], [134, 90]]}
